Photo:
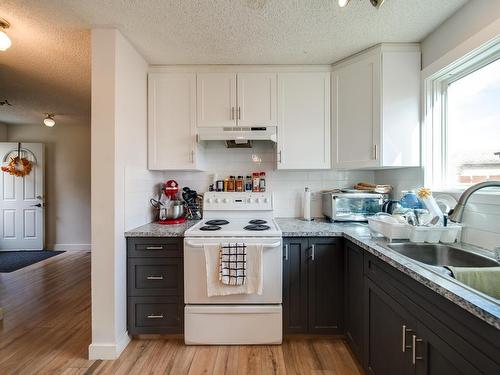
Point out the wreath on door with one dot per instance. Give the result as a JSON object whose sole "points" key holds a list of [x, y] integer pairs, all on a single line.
{"points": [[18, 166]]}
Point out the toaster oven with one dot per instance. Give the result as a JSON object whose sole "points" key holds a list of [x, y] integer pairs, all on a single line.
{"points": [[351, 206]]}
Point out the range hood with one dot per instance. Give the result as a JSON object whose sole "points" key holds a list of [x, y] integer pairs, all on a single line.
{"points": [[238, 134]]}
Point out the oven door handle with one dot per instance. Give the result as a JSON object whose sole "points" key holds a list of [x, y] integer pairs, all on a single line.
{"points": [[199, 245]]}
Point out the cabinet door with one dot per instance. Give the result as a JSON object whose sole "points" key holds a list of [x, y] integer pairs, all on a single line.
{"points": [[434, 356], [295, 285], [326, 285], [356, 113], [256, 99], [354, 306], [216, 99], [387, 343], [171, 121], [304, 120]]}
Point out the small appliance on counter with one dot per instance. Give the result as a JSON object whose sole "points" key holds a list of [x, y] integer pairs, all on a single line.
{"points": [[338, 206], [171, 209]]}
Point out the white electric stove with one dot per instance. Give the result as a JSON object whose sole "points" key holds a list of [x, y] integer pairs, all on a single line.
{"points": [[243, 318]]}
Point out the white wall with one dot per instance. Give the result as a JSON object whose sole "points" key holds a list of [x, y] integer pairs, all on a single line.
{"points": [[473, 17], [287, 186], [67, 181], [121, 183]]}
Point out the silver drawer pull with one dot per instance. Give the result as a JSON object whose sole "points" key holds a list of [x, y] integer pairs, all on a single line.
{"points": [[154, 277], [155, 316], [154, 247], [403, 339]]}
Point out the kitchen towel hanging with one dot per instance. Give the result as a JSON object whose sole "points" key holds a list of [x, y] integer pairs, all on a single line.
{"points": [[233, 264], [254, 271]]}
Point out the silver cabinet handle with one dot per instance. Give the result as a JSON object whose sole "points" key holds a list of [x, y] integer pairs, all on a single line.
{"points": [[286, 252], [313, 250], [154, 247], [192, 156], [279, 156], [232, 113], [414, 349], [154, 277], [239, 113], [375, 152], [403, 339], [155, 316]]}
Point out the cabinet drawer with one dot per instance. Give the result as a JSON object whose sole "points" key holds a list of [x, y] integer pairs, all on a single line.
{"points": [[150, 315], [154, 247], [155, 277]]}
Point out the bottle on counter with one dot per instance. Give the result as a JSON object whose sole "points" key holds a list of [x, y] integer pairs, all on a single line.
{"points": [[248, 183], [240, 184], [262, 181], [226, 184], [255, 182], [306, 204], [219, 185], [231, 184]]}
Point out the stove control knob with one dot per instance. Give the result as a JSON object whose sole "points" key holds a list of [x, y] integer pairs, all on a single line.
{"points": [[266, 200], [258, 200], [210, 200], [249, 200], [217, 200], [226, 200]]}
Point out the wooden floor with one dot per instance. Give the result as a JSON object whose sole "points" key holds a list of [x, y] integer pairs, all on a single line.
{"points": [[46, 330]]}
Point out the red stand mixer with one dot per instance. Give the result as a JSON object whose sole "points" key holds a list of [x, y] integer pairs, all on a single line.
{"points": [[171, 209]]}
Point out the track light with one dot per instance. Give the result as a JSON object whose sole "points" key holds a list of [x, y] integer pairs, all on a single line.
{"points": [[49, 120], [5, 41], [343, 3]]}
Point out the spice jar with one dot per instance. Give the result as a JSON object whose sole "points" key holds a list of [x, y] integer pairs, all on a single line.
{"points": [[255, 182], [231, 184], [262, 181], [240, 185], [248, 183]]}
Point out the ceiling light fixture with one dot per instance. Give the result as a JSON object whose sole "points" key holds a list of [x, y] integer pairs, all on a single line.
{"points": [[49, 120], [375, 3], [5, 42]]}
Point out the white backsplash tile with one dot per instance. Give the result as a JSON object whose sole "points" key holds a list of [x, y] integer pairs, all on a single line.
{"points": [[287, 186]]}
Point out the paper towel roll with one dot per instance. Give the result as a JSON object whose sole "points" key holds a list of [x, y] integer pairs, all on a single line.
{"points": [[306, 204]]}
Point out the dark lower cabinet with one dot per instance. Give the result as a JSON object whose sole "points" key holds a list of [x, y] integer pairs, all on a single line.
{"points": [[353, 301], [313, 285], [155, 284], [388, 330]]}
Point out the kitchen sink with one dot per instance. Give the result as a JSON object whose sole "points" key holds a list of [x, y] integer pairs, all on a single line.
{"points": [[442, 255]]}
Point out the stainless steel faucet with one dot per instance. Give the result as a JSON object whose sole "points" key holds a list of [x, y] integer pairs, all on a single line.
{"points": [[457, 213]]}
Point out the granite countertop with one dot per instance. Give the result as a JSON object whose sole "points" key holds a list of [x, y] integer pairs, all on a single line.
{"points": [[161, 230], [487, 309]]}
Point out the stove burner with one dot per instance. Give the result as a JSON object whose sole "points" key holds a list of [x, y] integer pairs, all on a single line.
{"points": [[216, 222], [210, 227], [258, 222], [257, 227]]}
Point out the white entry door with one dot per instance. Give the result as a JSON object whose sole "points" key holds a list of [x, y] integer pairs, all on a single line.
{"points": [[21, 200]]}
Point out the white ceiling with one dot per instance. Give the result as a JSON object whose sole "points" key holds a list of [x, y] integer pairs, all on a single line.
{"points": [[48, 66]]}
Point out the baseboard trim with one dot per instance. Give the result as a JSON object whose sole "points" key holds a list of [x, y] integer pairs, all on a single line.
{"points": [[69, 247], [108, 351]]}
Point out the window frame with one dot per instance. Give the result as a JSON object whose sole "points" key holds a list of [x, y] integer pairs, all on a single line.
{"points": [[434, 119]]}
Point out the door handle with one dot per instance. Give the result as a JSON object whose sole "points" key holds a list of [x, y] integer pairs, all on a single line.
{"points": [[36, 205], [313, 250], [414, 349], [403, 339], [286, 252], [154, 247]]}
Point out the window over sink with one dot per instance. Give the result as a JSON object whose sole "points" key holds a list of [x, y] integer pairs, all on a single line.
{"points": [[462, 121]]}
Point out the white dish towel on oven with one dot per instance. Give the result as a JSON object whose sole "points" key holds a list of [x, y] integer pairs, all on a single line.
{"points": [[255, 272]]}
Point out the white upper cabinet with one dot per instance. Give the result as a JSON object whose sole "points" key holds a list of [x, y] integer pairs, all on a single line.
{"points": [[375, 108], [172, 122], [216, 100], [304, 120], [230, 99], [256, 99]]}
